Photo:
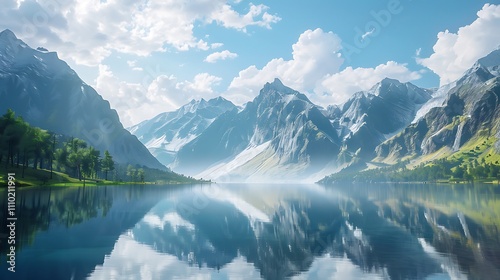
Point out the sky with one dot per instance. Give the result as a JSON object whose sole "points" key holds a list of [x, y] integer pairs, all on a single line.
{"points": [[152, 56]]}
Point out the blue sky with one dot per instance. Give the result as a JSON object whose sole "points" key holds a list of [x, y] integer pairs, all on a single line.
{"points": [[147, 57]]}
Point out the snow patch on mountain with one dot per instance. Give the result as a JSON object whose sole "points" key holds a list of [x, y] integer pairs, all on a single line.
{"points": [[223, 168], [155, 142], [177, 142], [437, 100], [168, 132]]}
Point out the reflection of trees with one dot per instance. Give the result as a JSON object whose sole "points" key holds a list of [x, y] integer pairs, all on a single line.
{"points": [[80, 227], [32, 207], [75, 207], [37, 208]]}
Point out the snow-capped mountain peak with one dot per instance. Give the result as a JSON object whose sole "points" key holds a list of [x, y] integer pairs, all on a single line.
{"points": [[277, 92], [166, 133]]}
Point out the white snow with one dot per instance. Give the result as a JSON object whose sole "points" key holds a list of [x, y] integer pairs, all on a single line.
{"points": [[437, 100], [224, 168], [155, 142], [359, 123], [288, 98], [176, 143]]}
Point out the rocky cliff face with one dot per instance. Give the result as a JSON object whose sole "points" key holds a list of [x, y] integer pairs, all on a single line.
{"points": [[47, 93], [470, 108], [369, 118], [279, 134]]}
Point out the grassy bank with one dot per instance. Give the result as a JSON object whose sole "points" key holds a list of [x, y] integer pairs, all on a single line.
{"points": [[42, 177]]}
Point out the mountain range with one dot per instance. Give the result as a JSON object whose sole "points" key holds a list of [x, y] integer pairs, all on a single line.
{"points": [[282, 135], [470, 111], [279, 136], [166, 133], [48, 94]]}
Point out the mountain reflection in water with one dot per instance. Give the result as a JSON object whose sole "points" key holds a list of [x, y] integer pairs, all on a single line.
{"points": [[269, 231]]}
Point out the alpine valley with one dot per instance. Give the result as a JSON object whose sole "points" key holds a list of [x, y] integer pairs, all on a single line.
{"points": [[281, 135]]}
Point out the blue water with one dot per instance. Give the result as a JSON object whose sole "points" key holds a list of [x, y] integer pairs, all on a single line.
{"points": [[265, 231]]}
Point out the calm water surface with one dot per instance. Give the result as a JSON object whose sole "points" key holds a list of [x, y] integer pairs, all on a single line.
{"points": [[266, 231]]}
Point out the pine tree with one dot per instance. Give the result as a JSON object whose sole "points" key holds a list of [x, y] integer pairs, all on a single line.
{"points": [[107, 164]]}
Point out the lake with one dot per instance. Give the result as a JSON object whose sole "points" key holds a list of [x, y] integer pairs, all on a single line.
{"points": [[255, 231]]}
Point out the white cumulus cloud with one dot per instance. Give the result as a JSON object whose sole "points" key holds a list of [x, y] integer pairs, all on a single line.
{"points": [[314, 55], [337, 88], [86, 32], [229, 18], [136, 102], [454, 53], [216, 45], [315, 70], [223, 55]]}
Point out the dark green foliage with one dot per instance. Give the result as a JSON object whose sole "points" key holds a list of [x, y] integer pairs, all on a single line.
{"points": [[442, 169], [136, 173], [25, 145], [21, 143], [107, 164]]}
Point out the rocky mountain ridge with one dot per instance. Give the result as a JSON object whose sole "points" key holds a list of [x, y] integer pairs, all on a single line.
{"points": [[282, 134], [470, 110], [279, 130]]}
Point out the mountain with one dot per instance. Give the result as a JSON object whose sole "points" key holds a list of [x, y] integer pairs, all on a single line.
{"points": [[166, 133], [280, 135], [48, 94], [470, 110], [370, 117]]}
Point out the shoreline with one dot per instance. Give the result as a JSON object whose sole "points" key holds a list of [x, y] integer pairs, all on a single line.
{"points": [[444, 182], [41, 178]]}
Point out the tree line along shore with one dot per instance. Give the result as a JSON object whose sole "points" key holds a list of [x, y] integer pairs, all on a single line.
{"points": [[41, 157]]}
